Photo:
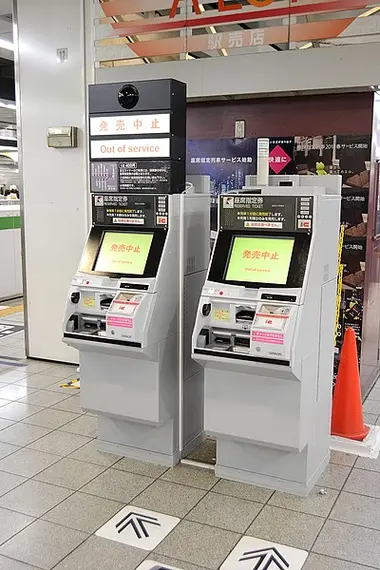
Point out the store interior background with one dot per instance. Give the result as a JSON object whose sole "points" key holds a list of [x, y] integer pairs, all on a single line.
{"points": [[12, 349], [53, 183]]}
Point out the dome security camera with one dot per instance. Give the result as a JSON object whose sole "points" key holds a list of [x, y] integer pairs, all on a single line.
{"points": [[128, 96]]}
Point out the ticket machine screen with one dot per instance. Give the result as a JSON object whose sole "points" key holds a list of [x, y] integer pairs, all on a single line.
{"points": [[260, 259], [124, 252]]}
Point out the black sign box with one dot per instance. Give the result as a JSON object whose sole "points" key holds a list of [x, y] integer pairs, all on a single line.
{"points": [[154, 95], [145, 211], [275, 213]]}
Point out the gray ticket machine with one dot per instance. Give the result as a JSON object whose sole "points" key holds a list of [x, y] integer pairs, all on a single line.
{"points": [[265, 333], [130, 313]]}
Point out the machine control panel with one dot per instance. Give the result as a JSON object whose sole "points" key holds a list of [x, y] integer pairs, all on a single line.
{"points": [[275, 213], [145, 210]]}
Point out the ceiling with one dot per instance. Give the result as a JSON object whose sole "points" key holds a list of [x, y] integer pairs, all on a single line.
{"points": [[7, 76]]}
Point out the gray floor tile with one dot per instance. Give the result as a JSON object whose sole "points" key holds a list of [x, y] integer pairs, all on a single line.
{"points": [[357, 509], [198, 544], [84, 425], [192, 476], [314, 504], [90, 454], [349, 542], [363, 481], [14, 392], [141, 467], [229, 513], [340, 458], [318, 562], [169, 498], [62, 371], [27, 462], [37, 366], [11, 523], [22, 434], [369, 406], [287, 527], [8, 564], [6, 449], [334, 476], [43, 398], [34, 498], [363, 463], [102, 554], [205, 452], [374, 394], [117, 485], [59, 443], [43, 544], [84, 512], [370, 419], [70, 405], [69, 473], [37, 381], [4, 402], [51, 418], [243, 491], [167, 561], [5, 423], [16, 411], [15, 375], [9, 481]]}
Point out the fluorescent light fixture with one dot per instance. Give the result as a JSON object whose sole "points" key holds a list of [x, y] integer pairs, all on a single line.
{"points": [[369, 12], [9, 105], [306, 46], [5, 44]]}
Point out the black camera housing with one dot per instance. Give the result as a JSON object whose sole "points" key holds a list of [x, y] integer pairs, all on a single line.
{"points": [[128, 96]]}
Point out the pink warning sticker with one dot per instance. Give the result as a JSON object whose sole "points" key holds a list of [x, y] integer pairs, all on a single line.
{"points": [[121, 322], [267, 337]]}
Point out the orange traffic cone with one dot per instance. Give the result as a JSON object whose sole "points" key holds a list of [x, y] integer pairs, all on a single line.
{"points": [[347, 411]]}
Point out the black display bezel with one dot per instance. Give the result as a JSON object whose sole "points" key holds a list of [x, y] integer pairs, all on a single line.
{"points": [[95, 241], [298, 262]]}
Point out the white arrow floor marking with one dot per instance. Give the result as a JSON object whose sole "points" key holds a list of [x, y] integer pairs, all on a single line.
{"points": [[138, 527], [255, 554]]}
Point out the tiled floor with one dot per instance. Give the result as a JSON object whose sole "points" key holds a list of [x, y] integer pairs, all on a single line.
{"points": [[57, 490]]}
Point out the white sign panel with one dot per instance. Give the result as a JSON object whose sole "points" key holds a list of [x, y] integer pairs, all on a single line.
{"points": [[130, 125], [138, 527], [132, 148], [255, 554]]}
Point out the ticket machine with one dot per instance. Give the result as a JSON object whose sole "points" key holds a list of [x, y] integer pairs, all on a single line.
{"points": [[265, 333], [130, 313]]}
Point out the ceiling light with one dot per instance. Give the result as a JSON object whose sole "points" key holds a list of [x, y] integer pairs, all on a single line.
{"points": [[370, 12], [9, 105], [4, 44], [306, 46]]}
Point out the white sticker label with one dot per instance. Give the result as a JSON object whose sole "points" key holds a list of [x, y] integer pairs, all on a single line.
{"points": [[132, 148]]}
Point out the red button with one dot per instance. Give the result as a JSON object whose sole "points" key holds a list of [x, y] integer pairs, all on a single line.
{"points": [[220, 292], [87, 283]]}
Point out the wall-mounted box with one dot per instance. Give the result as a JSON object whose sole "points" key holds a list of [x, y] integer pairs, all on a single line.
{"points": [[62, 137]]}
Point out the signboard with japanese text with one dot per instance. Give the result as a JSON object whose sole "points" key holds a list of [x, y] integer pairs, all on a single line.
{"points": [[172, 28], [148, 210], [284, 213], [349, 156], [130, 125], [138, 137]]}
